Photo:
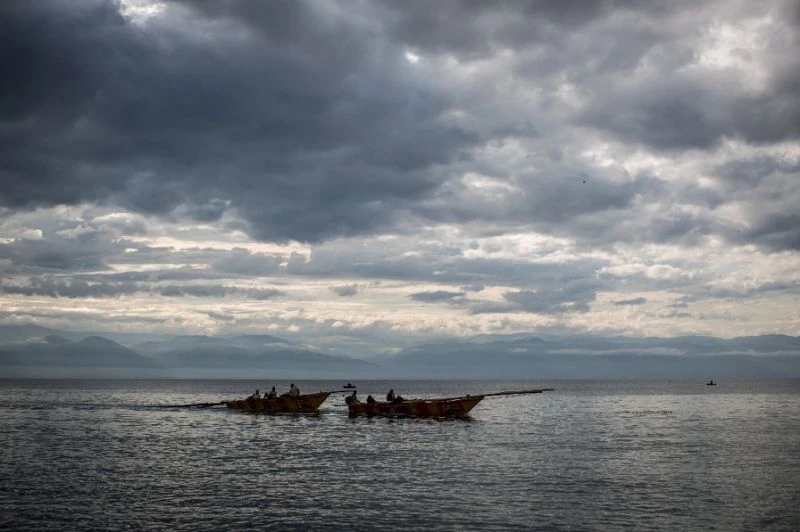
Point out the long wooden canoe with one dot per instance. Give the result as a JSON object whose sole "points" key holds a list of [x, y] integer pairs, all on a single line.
{"points": [[452, 407], [302, 404], [449, 407]]}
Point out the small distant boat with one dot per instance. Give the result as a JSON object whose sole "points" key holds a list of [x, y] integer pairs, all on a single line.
{"points": [[284, 404], [349, 386], [711, 383], [449, 407]]}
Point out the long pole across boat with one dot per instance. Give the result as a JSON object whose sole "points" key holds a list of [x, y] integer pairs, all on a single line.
{"points": [[491, 394], [518, 392]]}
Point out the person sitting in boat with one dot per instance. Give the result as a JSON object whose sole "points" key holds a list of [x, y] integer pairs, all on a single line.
{"points": [[391, 397], [294, 391], [256, 395], [370, 400], [352, 398], [272, 393]]}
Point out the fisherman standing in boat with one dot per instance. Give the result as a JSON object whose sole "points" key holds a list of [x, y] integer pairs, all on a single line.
{"points": [[294, 391], [352, 398]]}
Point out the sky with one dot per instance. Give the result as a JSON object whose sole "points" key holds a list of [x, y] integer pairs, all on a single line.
{"points": [[367, 175]]}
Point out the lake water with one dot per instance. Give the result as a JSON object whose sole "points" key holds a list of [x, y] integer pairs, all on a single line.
{"points": [[591, 455]]}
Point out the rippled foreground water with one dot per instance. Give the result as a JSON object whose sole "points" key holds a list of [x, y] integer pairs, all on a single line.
{"points": [[591, 455]]}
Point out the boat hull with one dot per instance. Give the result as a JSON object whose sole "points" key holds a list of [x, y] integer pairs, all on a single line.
{"points": [[302, 404], [456, 407]]}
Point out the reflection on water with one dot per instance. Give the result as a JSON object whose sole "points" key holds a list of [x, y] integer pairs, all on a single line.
{"points": [[660, 455]]}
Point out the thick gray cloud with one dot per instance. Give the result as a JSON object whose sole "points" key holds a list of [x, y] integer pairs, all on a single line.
{"points": [[634, 301], [535, 160], [87, 251], [52, 287], [573, 296], [152, 117], [307, 120], [771, 184], [219, 291], [346, 290], [597, 45], [676, 113], [436, 296], [46, 285]]}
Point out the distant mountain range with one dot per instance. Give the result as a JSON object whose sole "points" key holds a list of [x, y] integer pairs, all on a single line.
{"points": [[586, 357], [33, 351], [56, 356]]}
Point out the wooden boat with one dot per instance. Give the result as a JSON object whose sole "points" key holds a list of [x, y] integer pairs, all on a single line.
{"points": [[448, 407], [453, 407], [284, 404], [711, 383]]}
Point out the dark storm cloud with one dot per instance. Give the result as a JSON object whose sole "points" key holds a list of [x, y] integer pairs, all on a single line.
{"points": [[308, 129], [475, 28], [681, 315], [596, 45], [769, 184], [567, 196], [753, 171], [305, 118], [221, 316], [630, 302], [681, 304], [569, 296], [675, 113], [548, 198], [346, 290], [72, 316], [217, 291], [436, 296], [574, 296], [184, 274], [88, 251], [779, 231], [50, 286]]}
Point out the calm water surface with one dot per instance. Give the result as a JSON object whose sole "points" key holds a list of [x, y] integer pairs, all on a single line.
{"points": [[591, 455]]}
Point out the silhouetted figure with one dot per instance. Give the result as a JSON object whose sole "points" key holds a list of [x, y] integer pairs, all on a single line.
{"points": [[370, 400], [294, 391], [390, 397], [272, 393], [352, 398]]}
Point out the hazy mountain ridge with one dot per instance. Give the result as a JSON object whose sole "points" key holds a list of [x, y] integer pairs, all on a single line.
{"points": [[57, 356], [516, 356], [49, 353], [769, 356], [182, 343]]}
